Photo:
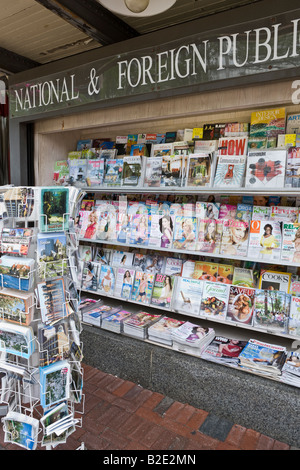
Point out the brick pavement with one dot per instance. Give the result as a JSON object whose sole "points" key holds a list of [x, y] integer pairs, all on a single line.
{"points": [[121, 415]]}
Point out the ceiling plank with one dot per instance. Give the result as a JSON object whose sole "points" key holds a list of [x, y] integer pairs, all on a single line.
{"points": [[93, 19], [10, 62]]}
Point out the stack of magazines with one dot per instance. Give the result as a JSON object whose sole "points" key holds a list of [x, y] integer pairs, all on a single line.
{"points": [[191, 338], [291, 369], [263, 358], [224, 351], [161, 331], [115, 321], [137, 325], [97, 312]]}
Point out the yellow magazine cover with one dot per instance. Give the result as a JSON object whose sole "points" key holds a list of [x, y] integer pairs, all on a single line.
{"points": [[275, 280]]}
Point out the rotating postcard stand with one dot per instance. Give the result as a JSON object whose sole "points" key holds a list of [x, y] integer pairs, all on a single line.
{"points": [[24, 375]]}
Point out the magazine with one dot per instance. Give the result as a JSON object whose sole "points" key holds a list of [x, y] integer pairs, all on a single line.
{"points": [[270, 311], [294, 317], [153, 171], [94, 172], [161, 331], [206, 271], [261, 213], [235, 237], [142, 287], [263, 358], [244, 212], [77, 172], [243, 277], [240, 305], [224, 351], [227, 211], [207, 210], [275, 280], [162, 290], [230, 171], [292, 178], [137, 324], [233, 146], [214, 300], [162, 150], [200, 170], [173, 266], [61, 172], [209, 235], [290, 372], [187, 296], [267, 122], [265, 240], [113, 172], [115, 321], [191, 338], [225, 273], [54, 209], [284, 214], [132, 170], [171, 174], [106, 280], [265, 169], [90, 275], [124, 279], [290, 250], [185, 233]]}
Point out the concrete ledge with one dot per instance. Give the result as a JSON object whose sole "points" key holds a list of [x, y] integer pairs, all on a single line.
{"points": [[254, 402]]}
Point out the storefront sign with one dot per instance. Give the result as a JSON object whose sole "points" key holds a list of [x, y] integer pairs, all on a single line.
{"points": [[188, 63]]}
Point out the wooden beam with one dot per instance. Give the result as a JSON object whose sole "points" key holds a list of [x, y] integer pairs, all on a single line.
{"points": [[92, 19], [10, 62]]}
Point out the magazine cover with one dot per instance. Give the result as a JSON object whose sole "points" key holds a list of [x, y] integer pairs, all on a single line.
{"points": [[244, 212], [173, 266], [267, 122], [142, 287], [284, 214], [54, 209], [294, 317], [214, 299], [139, 229], [264, 357], [61, 172], [161, 331], [113, 172], [89, 223], [162, 150], [227, 211], [265, 240], [292, 177], [243, 277], [270, 311], [206, 271], [124, 279], [261, 213], [209, 235], [290, 250], [265, 169], [16, 241], [187, 296], [153, 170], [233, 146], [240, 305], [207, 210], [94, 172], [230, 172], [235, 237], [200, 170], [185, 233], [224, 351], [274, 280], [52, 254], [122, 259], [162, 290], [132, 170], [106, 280], [138, 150], [171, 174], [77, 172], [225, 273], [90, 274]]}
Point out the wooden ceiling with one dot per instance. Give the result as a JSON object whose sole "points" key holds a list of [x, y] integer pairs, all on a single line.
{"points": [[37, 32]]}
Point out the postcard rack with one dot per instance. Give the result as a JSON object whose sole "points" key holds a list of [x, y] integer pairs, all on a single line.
{"points": [[40, 348]]}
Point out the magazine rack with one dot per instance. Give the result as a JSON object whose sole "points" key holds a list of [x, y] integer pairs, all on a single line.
{"points": [[246, 331], [21, 384]]}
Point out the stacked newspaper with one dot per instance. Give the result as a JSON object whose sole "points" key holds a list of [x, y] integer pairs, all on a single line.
{"points": [[224, 351], [191, 338], [115, 321], [161, 331], [291, 369], [263, 358], [137, 325]]}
